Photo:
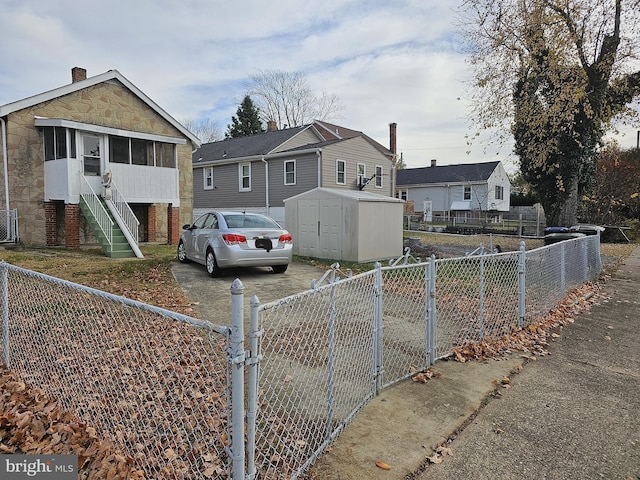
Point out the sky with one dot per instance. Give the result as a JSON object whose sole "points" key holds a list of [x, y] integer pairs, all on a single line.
{"points": [[397, 61]]}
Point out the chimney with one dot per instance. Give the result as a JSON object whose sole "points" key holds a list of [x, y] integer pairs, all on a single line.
{"points": [[433, 162], [272, 126], [78, 74], [392, 137]]}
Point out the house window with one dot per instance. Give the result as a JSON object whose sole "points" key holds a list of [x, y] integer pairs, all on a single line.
{"points": [[141, 152], [499, 192], [208, 178], [378, 176], [361, 170], [59, 143], [340, 172], [244, 172], [467, 192], [165, 155], [402, 194], [290, 172]]}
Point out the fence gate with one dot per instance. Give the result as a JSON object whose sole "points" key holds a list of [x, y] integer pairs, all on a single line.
{"points": [[9, 226]]}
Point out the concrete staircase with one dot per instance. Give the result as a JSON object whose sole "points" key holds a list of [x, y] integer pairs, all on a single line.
{"points": [[119, 247]]}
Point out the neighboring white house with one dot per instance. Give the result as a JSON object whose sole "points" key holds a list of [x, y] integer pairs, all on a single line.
{"points": [[455, 190]]}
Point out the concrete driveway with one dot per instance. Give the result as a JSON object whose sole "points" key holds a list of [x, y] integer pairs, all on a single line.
{"points": [[212, 296]]}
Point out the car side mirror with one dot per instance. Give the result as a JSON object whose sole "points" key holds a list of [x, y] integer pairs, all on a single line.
{"points": [[186, 227]]}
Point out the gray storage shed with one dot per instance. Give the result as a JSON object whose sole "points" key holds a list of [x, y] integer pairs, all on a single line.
{"points": [[348, 225]]}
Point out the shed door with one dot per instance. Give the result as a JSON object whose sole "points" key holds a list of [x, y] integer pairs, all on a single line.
{"points": [[308, 227], [331, 228]]}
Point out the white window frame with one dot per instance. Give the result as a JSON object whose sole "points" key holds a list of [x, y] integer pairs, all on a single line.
{"points": [[499, 192], [361, 173], [343, 172], [379, 174], [290, 162], [466, 193], [207, 175], [242, 176]]}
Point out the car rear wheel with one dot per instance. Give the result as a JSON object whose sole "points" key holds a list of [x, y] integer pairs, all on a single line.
{"points": [[182, 253], [212, 265], [279, 268]]}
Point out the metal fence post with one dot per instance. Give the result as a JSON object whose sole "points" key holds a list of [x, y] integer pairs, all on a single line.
{"points": [[433, 318], [563, 268], [481, 302], [255, 334], [378, 328], [4, 285], [237, 359], [332, 352], [522, 270]]}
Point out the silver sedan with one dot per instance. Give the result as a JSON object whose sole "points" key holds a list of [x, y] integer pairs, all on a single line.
{"points": [[224, 239]]}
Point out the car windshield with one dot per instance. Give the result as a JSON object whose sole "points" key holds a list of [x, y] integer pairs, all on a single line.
{"points": [[249, 221]]}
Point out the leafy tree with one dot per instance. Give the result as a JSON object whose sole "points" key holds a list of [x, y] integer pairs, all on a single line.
{"points": [[615, 195], [557, 74], [287, 99], [205, 130], [246, 122]]}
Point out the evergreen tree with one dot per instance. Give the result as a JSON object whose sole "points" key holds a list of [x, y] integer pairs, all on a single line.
{"points": [[246, 120]]}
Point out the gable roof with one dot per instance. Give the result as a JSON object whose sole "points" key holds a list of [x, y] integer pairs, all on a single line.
{"points": [[111, 75], [248, 146], [268, 142], [471, 172]]}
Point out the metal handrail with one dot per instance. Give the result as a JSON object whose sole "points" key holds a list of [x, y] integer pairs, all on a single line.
{"points": [[97, 209], [129, 218]]}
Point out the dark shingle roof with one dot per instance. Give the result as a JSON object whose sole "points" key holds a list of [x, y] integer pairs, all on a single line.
{"points": [[260, 144], [472, 172]]}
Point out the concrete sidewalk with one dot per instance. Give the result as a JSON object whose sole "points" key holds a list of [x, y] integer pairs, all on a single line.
{"points": [[574, 414]]}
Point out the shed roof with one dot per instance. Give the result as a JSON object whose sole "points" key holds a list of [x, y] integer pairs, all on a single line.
{"points": [[356, 195], [471, 172]]}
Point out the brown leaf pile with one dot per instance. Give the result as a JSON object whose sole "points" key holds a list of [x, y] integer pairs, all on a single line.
{"points": [[533, 338], [425, 375], [31, 423]]}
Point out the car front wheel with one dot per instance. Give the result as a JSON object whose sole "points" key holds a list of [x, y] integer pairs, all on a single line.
{"points": [[182, 253], [212, 265], [279, 268]]}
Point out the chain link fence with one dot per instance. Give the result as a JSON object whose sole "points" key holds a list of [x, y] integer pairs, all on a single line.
{"points": [[169, 390], [153, 382], [327, 351]]}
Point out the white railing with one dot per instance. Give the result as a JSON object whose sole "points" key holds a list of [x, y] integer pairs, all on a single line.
{"points": [[127, 215], [102, 217]]}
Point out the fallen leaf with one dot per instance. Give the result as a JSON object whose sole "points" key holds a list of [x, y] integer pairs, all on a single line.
{"points": [[383, 465], [435, 458]]}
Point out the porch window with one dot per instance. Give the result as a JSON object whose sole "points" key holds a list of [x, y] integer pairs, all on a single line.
{"points": [[166, 155], [208, 178], [141, 152], [290, 172], [340, 172], [59, 142], [467, 192], [244, 173], [378, 176], [118, 150]]}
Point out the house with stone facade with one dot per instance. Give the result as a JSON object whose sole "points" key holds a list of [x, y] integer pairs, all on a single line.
{"points": [[94, 161]]}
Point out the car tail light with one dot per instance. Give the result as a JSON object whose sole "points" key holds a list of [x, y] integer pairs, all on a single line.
{"points": [[234, 239], [286, 238]]}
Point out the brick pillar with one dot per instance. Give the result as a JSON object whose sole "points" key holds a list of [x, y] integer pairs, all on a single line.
{"points": [[50, 224], [72, 226], [151, 223], [173, 222]]}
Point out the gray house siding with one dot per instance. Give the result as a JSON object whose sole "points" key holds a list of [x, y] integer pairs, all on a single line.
{"points": [[306, 137], [306, 178], [353, 151], [226, 192]]}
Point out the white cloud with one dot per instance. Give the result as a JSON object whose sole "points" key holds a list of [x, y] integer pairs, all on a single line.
{"points": [[388, 61]]}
